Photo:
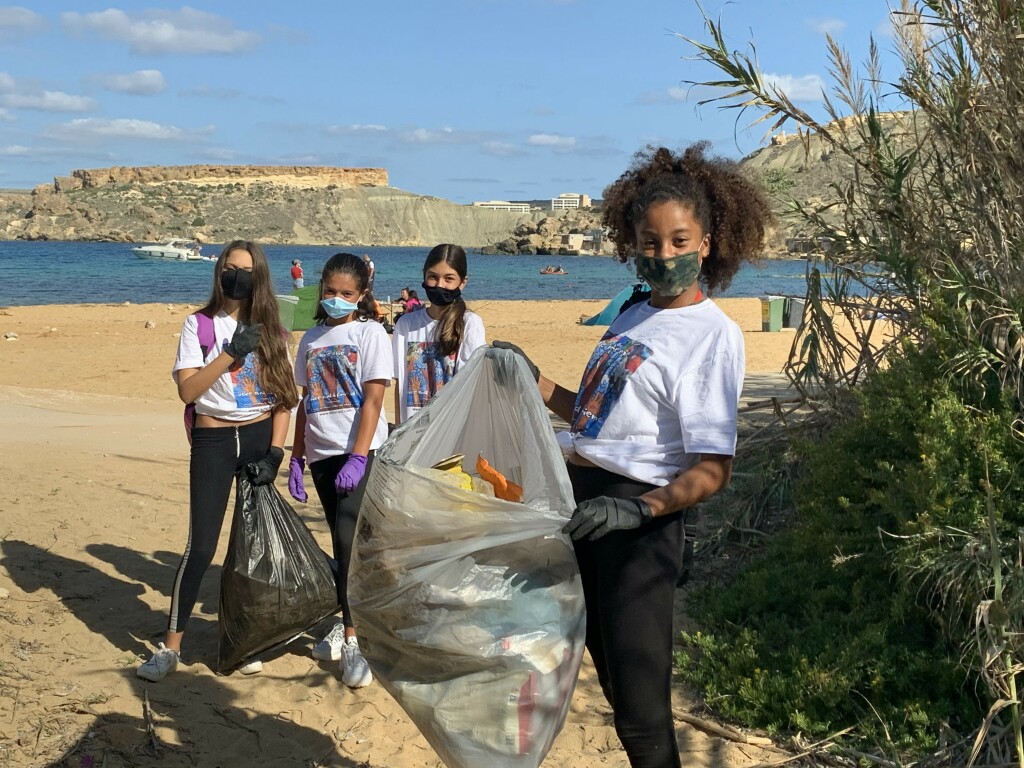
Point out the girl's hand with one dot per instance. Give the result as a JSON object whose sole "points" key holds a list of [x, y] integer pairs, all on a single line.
{"points": [[264, 471], [295, 485], [245, 340], [351, 473], [594, 518]]}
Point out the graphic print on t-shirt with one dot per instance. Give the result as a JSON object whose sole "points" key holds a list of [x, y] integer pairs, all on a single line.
{"points": [[246, 385], [615, 359], [426, 372], [331, 379]]}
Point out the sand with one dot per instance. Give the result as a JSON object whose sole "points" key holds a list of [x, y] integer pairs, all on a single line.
{"points": [[93, 519]]}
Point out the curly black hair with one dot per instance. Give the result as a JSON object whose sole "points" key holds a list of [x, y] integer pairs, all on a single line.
{"points": [[728, 205]]}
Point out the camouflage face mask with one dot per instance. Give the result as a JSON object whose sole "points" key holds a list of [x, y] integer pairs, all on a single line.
{"points": [[669, 277]]}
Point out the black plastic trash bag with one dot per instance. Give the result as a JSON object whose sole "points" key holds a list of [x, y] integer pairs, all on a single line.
{"points": [[276, 582], [470, 608]]}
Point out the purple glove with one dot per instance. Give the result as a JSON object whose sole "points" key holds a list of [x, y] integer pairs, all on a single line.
{"points": [[295, 469], [351, 473]]}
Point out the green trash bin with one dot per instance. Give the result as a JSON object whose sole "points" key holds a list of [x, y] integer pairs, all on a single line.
{"points": [[286, 308], [772, 310]]}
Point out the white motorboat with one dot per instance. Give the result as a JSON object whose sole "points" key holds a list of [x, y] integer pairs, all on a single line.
{"points": [[175, 250]]}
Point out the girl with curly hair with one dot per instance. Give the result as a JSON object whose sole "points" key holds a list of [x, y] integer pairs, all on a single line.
{"points": [[653, 422]]}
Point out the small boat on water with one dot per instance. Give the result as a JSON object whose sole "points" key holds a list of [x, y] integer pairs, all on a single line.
{"points": [[553, 271], [178, 249]]}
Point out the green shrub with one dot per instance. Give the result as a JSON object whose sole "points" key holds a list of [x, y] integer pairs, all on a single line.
{"points": [[776, 180], [821, 632]]}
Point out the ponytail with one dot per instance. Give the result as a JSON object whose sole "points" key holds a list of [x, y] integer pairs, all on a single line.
{"points": [[451, 327]]}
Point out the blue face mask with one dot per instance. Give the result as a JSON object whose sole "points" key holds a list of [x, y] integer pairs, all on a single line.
{"points": [[337, 307]]}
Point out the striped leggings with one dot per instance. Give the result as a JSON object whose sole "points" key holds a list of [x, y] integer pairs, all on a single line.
{"points": [[218, 455]]}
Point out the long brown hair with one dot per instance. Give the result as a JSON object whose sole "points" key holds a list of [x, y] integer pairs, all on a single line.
{"points": [[451, 322], [275, 371]]}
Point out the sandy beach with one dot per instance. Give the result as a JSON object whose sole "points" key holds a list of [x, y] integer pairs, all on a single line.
{"points": [[94, 519]]}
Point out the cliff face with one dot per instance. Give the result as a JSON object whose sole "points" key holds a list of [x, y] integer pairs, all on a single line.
{"points": [[271, 205], [302, 176]]}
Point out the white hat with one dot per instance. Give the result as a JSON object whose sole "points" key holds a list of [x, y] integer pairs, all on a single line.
{"points": [[296, 261]]}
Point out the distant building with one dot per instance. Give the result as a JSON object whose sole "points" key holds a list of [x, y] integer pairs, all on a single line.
{"points": [[504, 205], [568, 200]]}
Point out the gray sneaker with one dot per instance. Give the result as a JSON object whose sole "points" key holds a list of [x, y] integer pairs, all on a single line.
{"points": [[329, 649], [355, 671], [163, 662]]}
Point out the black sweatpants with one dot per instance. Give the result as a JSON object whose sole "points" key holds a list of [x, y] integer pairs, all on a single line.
{"points": [[342, 512], [218, 455], [629, 582]]}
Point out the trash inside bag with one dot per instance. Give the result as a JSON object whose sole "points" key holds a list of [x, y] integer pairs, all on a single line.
{"points": [[469, 606], [276, 582]]}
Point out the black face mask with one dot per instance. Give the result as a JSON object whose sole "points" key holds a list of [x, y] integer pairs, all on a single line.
{"points": [[442, 297], [236, 284]]}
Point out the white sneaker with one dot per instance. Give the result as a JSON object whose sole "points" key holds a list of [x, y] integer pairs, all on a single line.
{"points": [[251, 668], [163, 662], [355, 672], [329, 649]]}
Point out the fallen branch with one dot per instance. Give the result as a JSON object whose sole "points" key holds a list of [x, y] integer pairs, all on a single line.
{"points": [[720, 730]]}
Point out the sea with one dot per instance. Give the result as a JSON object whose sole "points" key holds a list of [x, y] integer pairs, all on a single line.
{"points": [[51, 272]]}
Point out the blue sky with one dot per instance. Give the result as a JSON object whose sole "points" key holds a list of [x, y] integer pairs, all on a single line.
{"points": [[462, 99]]}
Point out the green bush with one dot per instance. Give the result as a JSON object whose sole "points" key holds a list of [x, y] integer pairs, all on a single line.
{"points": [[821, 632], [776, 180]]}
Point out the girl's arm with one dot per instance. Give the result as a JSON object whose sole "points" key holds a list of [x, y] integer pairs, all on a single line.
{"points": [[369, 414], [279, 431], [559, 399], [193, 382], [299, 440], [704, 479]]}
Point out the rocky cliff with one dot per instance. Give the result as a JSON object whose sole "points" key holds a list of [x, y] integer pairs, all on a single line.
{"points": [[299, 176]]}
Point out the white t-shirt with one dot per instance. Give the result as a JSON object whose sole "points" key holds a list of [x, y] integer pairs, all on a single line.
{"points": [[662, 387], [236, 395], [332, 363], [419, 369]]}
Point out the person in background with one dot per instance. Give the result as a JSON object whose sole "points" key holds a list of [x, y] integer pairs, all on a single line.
{"points": [[343, 366], [370, 267], [431, 346], [653, 422], [243, 393], [297, 281]]}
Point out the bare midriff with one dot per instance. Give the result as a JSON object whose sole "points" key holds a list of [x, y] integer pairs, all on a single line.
{"points": [[206, 422]]}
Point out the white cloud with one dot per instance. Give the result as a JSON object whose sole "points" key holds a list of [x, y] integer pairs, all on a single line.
{"points": [[444, 136], [49, 101], [7, 83], [552, 140], [144, 82], [500, 149], [19, 22], [356, 129], [91, 128], [797, 87], [827, 26], [159, 32], [15, 150]]}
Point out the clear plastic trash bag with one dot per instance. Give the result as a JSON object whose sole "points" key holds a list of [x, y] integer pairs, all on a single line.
{"points": [[470, 609], [276, 582]]}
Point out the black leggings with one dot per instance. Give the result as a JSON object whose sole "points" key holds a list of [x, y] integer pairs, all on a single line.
{"points": [[342, 512], [629, 582], [218, 455]]}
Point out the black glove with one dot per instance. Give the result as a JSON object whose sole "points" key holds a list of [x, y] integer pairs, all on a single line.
{"points": [[594, 518], [534, 370], [245, 340], [264, 471]]}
